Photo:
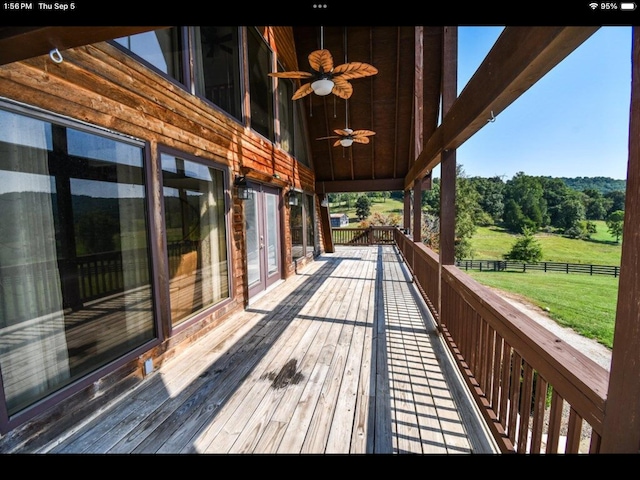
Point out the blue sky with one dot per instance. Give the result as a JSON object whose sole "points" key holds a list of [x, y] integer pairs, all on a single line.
{"points": [[573, 123]]}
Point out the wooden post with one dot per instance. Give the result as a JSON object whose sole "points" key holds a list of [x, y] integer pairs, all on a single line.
{"points": [[448, 164], [621, 426], [406, 222], [417, 210]]}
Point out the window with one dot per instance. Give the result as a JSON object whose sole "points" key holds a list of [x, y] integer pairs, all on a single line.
{"points": [[301, 147], [302, 224], [217, 60], [160, 48], [194, 205], [260, 85], [285, 114], [74, 258]]}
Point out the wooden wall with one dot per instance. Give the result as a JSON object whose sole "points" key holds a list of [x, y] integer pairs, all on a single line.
{"points": [[101, 85]]}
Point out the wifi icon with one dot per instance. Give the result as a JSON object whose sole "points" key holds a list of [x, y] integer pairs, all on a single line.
{"points": [[593, 5]]}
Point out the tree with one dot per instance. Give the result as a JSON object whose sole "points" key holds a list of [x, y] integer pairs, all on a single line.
{"points": [[615, 222], [526, 248], [363, 207], [467, 208], [527, 192], [570, 211], [616, 200]]}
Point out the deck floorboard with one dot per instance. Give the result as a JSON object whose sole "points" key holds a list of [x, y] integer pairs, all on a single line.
{"points": [[342, 358]]}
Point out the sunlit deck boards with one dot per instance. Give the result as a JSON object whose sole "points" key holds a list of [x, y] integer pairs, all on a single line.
{"points": [[335, 360]]}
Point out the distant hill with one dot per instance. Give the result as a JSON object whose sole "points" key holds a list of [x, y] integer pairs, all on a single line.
{"points": [[601, 184]]}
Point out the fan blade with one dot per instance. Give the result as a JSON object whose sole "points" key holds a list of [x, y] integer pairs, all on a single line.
{"points": [[354, 70], [321, 61], [303, 91], [341, 88], [361, 139], [293, 74], [363, 133], [337, 143], [342, 132], [327, 138]]}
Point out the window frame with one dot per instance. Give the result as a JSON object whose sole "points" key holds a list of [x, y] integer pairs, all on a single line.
{"points": [[167, 326], [9, 422]]}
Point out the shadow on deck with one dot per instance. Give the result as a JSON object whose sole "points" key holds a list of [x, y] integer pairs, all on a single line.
{"points": [[342, 358]]}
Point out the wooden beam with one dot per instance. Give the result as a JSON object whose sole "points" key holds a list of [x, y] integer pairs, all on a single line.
{"points": [[621, 426], [520, 57], [21, 43], [342, 186]]}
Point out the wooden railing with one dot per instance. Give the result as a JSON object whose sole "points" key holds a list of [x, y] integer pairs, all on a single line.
{"points": [[537, 394], [374, 235]]}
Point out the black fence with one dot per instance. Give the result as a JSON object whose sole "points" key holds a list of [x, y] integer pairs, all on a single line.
{"points": [[508, 265]]}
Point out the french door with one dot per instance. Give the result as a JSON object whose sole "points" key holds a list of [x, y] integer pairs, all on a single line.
{"points": [[262, 217]]}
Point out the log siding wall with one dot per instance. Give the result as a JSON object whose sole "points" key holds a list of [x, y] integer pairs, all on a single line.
{"points": [[103, 86]]}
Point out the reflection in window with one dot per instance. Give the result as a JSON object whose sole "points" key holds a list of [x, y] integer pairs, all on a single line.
{"points": [[161, 48], [217, 61], [285, 114], [74, 260], [196, 235], [260, 85], [296, 224], [310, 222]]}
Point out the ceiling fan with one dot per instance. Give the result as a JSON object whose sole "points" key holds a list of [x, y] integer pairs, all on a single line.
{"points": [[326, 78], [347, 136]]}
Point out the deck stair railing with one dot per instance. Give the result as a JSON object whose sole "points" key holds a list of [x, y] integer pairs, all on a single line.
{"points": [[537, 394]]}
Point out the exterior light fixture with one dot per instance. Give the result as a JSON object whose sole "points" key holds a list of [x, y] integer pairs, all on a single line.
{"points": [[325, 202], [292, 198], [322, 87], [243, 190]]}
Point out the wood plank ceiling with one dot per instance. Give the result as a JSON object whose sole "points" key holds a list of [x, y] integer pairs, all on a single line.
{"points": [[383, 103]]}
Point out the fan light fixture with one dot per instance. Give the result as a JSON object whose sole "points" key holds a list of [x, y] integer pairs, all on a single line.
{"points": [[243, 190], [346, 142], [322, 87]]}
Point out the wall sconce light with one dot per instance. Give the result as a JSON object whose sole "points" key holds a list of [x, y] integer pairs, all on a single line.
{"points": [[292, 198], [325, 202], [243, 190]]}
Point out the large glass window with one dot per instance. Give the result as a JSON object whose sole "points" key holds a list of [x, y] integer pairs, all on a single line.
{"points": [[310, 223], [217, 60], [301, 147], [194, 205], [296, 224], [161, 48], [75, 289], [302, 224], [285, 114], [260, 84]]}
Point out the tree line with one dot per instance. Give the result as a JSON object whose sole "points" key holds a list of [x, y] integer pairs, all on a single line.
{"points": [[527, 204], [524, 204]]}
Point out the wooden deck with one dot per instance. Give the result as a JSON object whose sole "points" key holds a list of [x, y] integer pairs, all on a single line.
{"points": [[341, 358]]}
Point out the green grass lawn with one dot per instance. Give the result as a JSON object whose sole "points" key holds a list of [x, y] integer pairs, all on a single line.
{"points": [[387, 207], [585, 303], [491, 243]]}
